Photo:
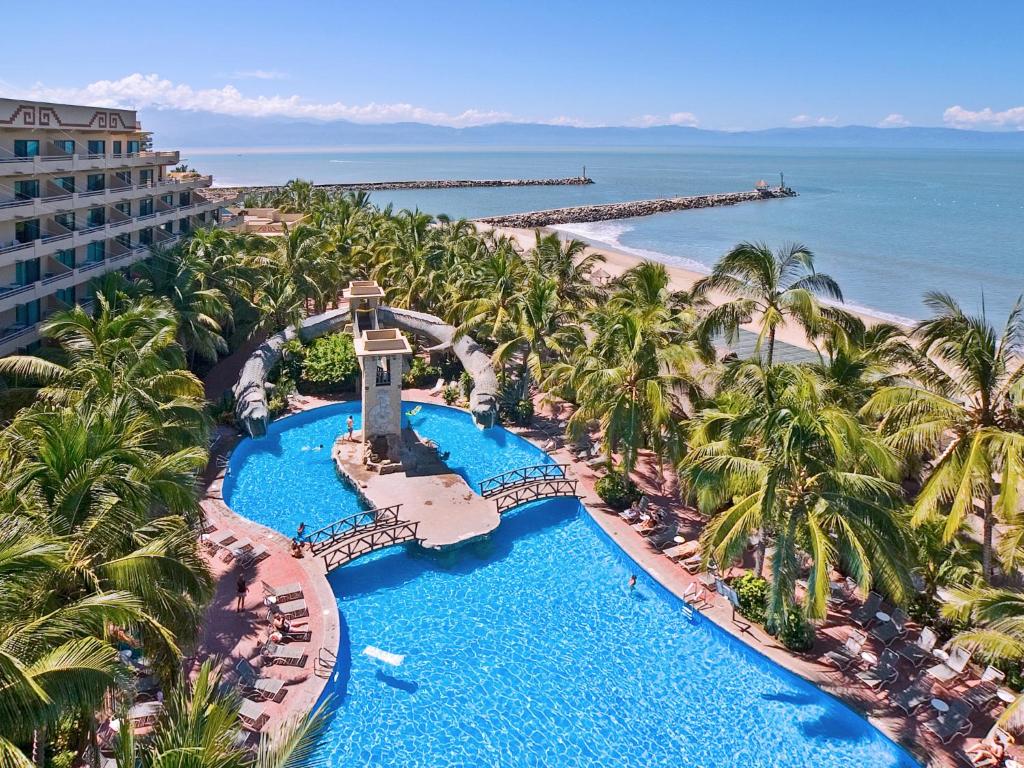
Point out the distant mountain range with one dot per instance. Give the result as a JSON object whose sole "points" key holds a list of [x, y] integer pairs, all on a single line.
{"points": [[195, 130]]}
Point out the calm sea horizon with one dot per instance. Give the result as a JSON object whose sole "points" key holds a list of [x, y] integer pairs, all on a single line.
{"points": [[888, 224]]}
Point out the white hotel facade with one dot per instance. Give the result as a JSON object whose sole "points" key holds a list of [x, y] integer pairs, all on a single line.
{"points": [[81, 194]]}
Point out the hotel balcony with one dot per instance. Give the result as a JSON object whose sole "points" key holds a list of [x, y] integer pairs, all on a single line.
{"points": [[40, 164], [57, 201], [56, 238]]}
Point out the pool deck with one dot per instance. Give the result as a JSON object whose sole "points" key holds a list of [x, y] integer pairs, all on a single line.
{"points": [[447, 511]]}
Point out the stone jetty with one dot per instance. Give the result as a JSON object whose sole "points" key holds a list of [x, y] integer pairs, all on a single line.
{"points": [[584, 213], [387, 186]]}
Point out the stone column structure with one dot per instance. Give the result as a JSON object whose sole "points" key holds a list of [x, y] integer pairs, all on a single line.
{"points": [[364, 296], [381, 354]]}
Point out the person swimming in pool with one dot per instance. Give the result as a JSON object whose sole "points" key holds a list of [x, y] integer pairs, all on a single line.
{"points": [[632, 582]]}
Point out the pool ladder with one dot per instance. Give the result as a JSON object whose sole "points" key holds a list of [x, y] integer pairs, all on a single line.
{"points": [[325, 662]]}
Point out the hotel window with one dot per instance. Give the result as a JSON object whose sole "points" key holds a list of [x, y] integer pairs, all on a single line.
{"points": [[96, 217], [117, 147], [26, 231], [26, 190], [146, 236], [145, 206], [96, 182], [185, 198], [167, 200], [67, 295], [146, 176], [96, 251], [168, 227], [66, 220], [67, 183], [26, 272], [27, 314], [26, 148], [125, 239], [66, 257], [97, 147], [125, 177], [125, 208], [133, 147], [184, 227], [64, 146]]}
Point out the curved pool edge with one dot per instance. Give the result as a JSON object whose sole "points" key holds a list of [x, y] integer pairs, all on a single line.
{"points": [[629, 547]]}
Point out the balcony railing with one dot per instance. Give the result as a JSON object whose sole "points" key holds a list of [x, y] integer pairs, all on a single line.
{"points": [[170, 155]]}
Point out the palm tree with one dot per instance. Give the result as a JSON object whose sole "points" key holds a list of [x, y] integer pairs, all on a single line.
{"points": [[961, 405], [773, 287], [53, 655], [570, 265], [199, 727], [804, 474], [492, 287], [996, 618], [541, 329]]}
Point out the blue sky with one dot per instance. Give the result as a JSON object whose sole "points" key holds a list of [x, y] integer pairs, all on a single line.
{"points": [[727, 65]]}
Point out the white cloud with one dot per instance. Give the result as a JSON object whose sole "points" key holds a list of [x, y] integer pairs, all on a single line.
{"points": [[675, 118], [959, 117], [895, 120], [138, 91], [803, 120], [259, 74]]}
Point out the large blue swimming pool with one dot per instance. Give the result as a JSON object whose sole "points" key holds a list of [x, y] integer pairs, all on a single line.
{"points": [[529, 650]]}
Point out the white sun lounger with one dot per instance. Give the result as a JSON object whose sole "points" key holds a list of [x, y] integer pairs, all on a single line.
{"points": [[284, 593]]}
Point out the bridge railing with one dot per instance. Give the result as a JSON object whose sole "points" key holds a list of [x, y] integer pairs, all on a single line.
{"points": [[370, 540], [516, 478], [524, 494], [325, 538]]}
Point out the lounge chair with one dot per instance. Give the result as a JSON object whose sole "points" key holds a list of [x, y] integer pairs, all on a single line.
{"points": [[891, 630], [283, 593], [293, 609], [693, 564], [986, 691], [252, 714], [866, 613], [849, 652], [839, 594], [920, 651], [216, 541], [682, 551], [913, 696], [952, 668], [288, 655], [255, 555], [236, 549], [883, 673], [145, 713], [948, 725], [254, 686]]}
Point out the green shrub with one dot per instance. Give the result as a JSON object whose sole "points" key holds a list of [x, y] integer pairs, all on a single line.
{"points": [[466, 384], [518, 412], [797, 634], [617, 491], [752, 593], [330, 363], [420, 373], [450, 394]]}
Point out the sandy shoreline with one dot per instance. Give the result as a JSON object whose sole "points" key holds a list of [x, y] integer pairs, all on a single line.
{"points": [[618, 261]]}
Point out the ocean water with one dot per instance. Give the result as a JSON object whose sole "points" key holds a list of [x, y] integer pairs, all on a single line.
{"points": [[887, 224], [529, 650]]}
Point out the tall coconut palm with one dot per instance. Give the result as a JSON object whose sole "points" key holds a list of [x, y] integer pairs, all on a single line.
{"points": [[769, 286], [570, 265], [806, 475], [492, 287], [961, 405]]}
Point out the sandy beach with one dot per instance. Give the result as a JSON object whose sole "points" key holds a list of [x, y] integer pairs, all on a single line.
{"points": [[618, 261]]}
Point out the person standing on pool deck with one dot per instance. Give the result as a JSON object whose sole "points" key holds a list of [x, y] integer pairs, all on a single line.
{"points": [[350, 423], [242, 589]]}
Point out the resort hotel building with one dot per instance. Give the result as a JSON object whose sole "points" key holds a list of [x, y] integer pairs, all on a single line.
{"points": [[81, 194]]}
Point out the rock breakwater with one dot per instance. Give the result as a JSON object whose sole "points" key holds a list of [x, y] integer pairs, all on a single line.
{"points": [[586, 213]]}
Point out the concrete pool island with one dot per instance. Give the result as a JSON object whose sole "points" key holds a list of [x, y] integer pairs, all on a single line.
{"points": [[524, 625]]}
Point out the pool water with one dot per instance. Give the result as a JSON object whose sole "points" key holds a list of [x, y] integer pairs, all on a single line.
{"points": [[530, 650]]}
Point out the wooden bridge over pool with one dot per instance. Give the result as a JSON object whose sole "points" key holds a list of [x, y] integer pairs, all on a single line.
{"points": [[436, 512]]}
